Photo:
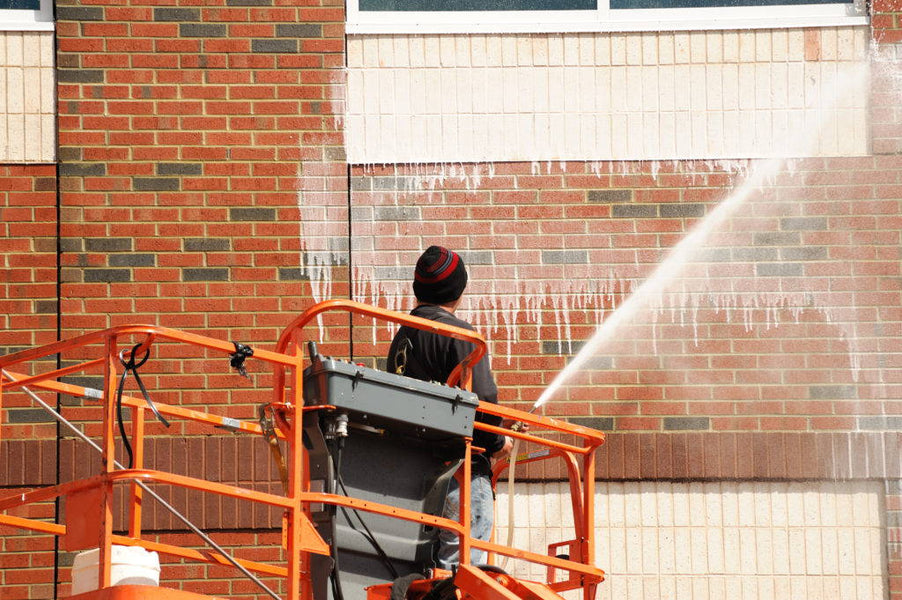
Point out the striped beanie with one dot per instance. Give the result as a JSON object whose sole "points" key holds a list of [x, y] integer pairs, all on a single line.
{"points": [[440, 276]]}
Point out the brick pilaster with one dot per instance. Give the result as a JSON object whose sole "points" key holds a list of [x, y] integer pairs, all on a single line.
{"points": [[886, 77]]}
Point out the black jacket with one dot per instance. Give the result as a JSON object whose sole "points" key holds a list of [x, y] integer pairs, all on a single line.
{"points": [[432, 357]]}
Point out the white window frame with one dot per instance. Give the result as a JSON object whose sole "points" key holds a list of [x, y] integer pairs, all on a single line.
{"points": [[12, 19], [605, 19]]}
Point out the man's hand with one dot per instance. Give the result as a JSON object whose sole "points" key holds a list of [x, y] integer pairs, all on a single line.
{"points": [[505, 450], [519, 426]]}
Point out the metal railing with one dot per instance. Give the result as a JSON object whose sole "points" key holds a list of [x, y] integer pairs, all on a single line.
{"points": [[89, 502]]}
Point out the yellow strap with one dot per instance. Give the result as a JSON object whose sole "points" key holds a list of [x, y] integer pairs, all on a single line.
{"points": [[267, 424]]}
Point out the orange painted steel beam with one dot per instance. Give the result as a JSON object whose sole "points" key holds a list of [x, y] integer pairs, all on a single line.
{"points": [[178, 551], [589, 571], [139, 592], [381, 509], [591, 437], [476, 584], [23, 380], [463, 374], [152, 332], [165, 409], [530, 438]]}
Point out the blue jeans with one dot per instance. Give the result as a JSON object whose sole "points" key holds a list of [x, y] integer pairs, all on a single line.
{"points": [[482, 514]]}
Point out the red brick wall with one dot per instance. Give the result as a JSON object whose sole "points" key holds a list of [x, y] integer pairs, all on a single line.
{"points": [[182, 131], [788, 318], [28, 294], [27, 256], [201, 170], [894, 537], [26, 559], [886, 112], [885, 21]]}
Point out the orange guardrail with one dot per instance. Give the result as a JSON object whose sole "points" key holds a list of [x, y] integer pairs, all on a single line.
{"points": [[89, 512]]}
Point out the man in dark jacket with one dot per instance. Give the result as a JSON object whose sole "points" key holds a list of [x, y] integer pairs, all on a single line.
{"points": [[439, 281]]}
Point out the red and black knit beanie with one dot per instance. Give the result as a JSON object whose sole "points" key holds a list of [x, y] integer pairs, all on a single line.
{"points": [[440, 276]]}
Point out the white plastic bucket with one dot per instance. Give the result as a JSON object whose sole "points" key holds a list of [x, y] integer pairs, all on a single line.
{"points": [[131, 565]]}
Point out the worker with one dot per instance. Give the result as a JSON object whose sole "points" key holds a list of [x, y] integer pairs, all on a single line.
{"points": [[438, 284]]}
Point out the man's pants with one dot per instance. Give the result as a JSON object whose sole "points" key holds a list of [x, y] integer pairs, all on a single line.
{"points": [[482, 513]]}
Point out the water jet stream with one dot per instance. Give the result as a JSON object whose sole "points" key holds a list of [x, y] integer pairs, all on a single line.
{"points": [[665, 272]]}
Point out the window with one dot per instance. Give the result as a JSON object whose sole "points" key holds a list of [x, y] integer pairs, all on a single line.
{"points": [[511, 16], [29, 15]]}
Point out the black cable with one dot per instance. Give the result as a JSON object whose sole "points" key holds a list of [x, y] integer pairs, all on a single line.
{"points": [[131, 365], [335, 575], [368, 535]]}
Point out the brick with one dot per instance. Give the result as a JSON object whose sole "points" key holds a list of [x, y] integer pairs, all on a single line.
{"points": [[45, 306], [392, 183], [564, 257], [207, 245], [880, 423], [106, 275], [205, 274], [252, 214], [132, 260], [397, 213], [176, 14], [634, 211], [79, 13], [472, 257], [803, 223], [779, 269], [180, 169], [687, 210], [776, 238], [82, 169], [80, 75], [71, 245], [279, 46], [715, 255], [610, 196], [202, 30], [299, 30], [45, 184], [29, 415], [599, 423], [686, 423], [383, 273], [361, 184], [292, 274], [108, 244], [156, 184], [755, 254], [805, 253], [832, 392]]}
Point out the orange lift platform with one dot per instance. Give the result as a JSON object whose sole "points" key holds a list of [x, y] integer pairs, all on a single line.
{"points": [[325, 416]]}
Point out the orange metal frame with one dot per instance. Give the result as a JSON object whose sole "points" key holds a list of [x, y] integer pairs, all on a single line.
{"points": [[89, 506]]}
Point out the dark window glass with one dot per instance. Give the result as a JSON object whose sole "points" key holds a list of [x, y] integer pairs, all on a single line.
{"points": [[21, 4], [712, 3], [471, 5]]}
